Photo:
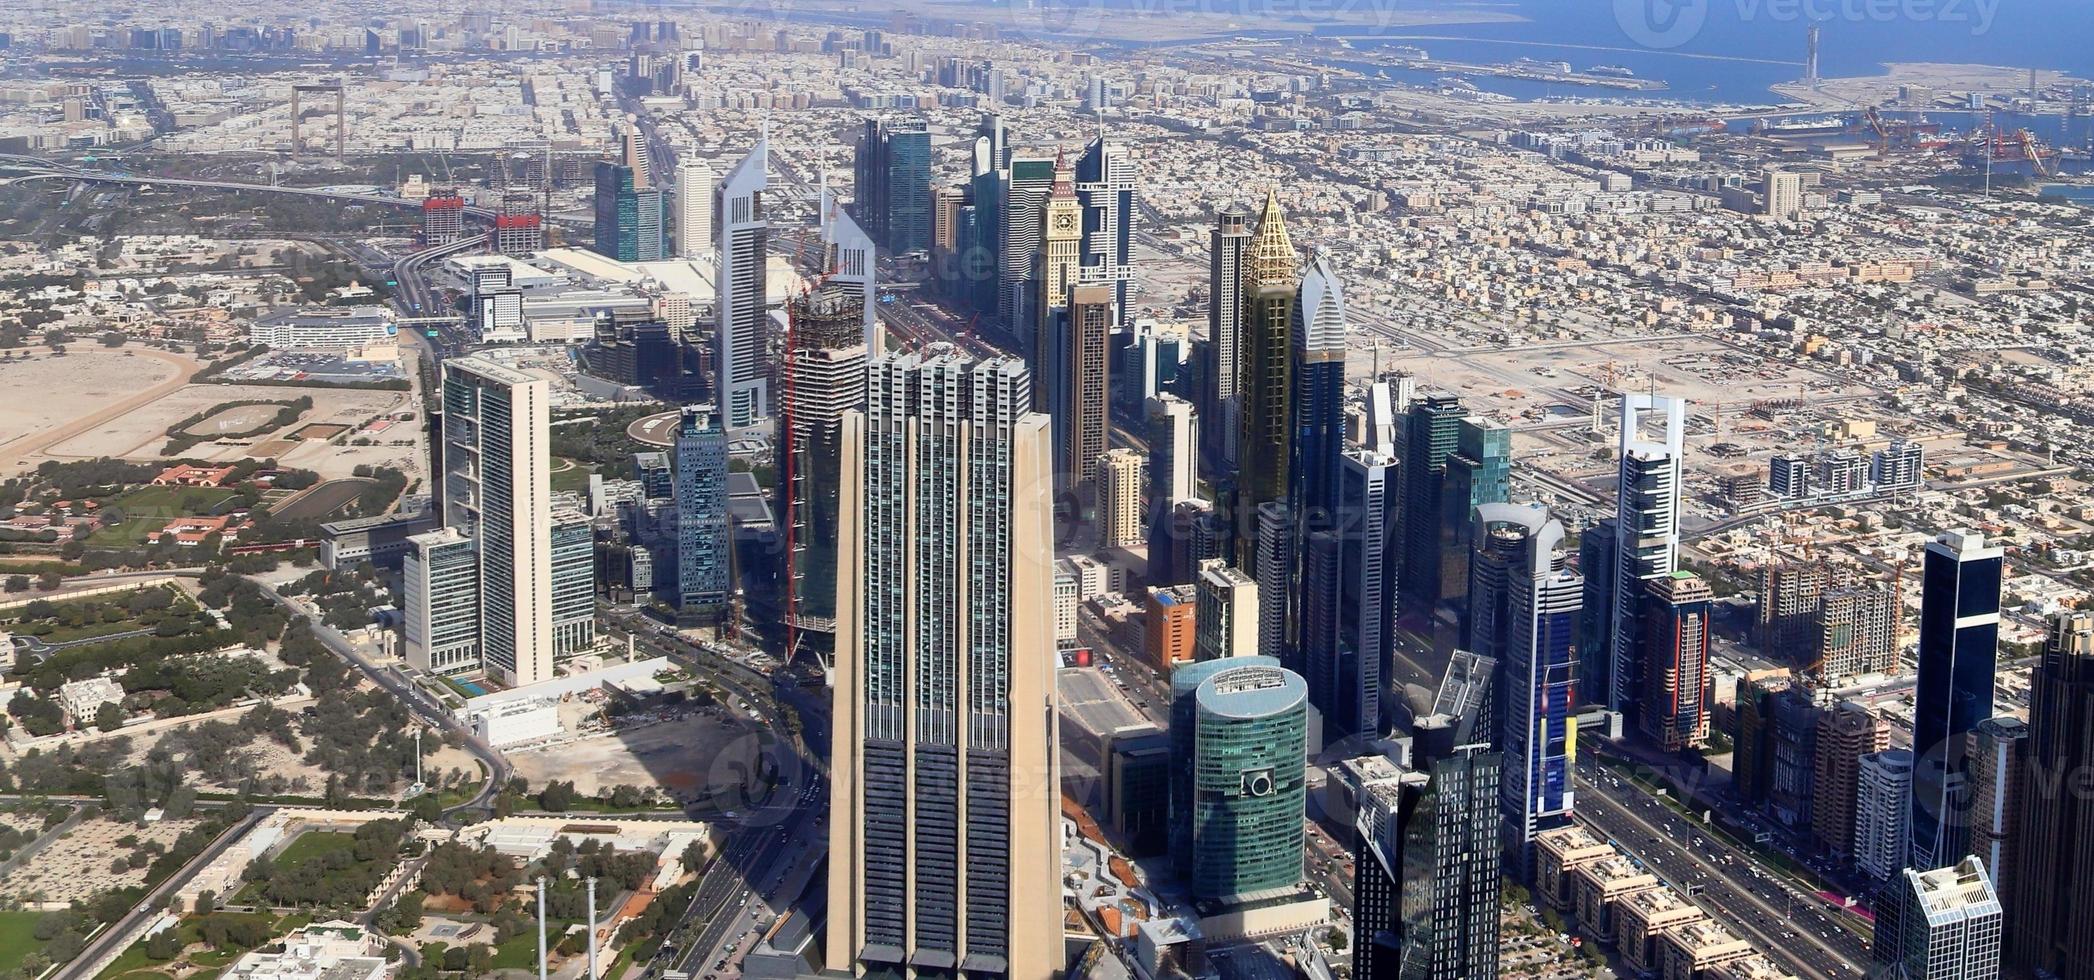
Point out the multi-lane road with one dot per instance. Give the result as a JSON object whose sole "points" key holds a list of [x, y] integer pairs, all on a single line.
{"points": [[1796, 928]]}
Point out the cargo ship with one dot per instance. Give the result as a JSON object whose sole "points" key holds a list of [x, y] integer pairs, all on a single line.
{"points": [[1610, 71], [1808, 126]]}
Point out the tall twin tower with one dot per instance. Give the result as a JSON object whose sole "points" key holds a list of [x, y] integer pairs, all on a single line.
{"points": [[944, 842]]}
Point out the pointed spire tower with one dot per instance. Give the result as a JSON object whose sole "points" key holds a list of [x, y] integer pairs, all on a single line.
{"points": [[1274, 261]]}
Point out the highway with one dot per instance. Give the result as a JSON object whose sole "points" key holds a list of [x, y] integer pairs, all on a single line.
{"points": [[1795, 928], [777, 836]]}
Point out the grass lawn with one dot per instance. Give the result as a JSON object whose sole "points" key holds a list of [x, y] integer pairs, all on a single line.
{"points": [[521, 951], [312, 844], [309, 845], [148, 508], [574, 477], [17, 937]]}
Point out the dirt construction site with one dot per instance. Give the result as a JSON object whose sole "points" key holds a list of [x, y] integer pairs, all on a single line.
{"points": [[82, 412]]}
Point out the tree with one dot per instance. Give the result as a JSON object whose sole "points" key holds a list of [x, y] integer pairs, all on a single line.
{"points": [[557, 797], [206, 902], [109, 717], [49, 581], [18, 583]]}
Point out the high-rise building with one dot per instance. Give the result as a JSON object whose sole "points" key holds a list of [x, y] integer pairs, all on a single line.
{"points": [[1351, 638], [1019, 204], [1106, 183], [628, 215], [741, 326], [1088, 357], [1245, 738], [1788, 476], [1647, 533], [1523, 614], [1597, 557], [440, 589], [519, 228], [1882, 789], [851, 260], [1950, 924], [443, 217], [1998, 755], [1061, 261], [1170, 626], [694, 209], [2053, 913], [1174, 453], [573, 582], [1270, 280], [1479, 472], [1451, 843], [1855, 631], [1316, 402], [1275, 570], [825, 365], [1225, 619], [1120, 499], [1898, 467], [1846, 733], [1676, 670], [1784, 193], [1172, 430], [1228, 247], [704, 547], [633, 153], [1958, 654], [1430, 433], [497, 488], [894, 183], [945, 790]]}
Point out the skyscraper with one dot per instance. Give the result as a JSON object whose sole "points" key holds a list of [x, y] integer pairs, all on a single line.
{"points": [[1958, 653], [1270, 281], [497, 487], [1478, 472], [628, 215], [1451, 857], [946, 814], [1647, 533], [1106, 184], [1523, 613], [1061, 256], [1949, 924], [1120, 499], [1430, 434], [440, 589], [1020, 207], [694, 209], [1597, 558], [1241, 808], [1675, 634], [1316, 402], [704, 565], [741, 326], [1172, 431], [2053, 913], [1088, 380], [573, 577], [1999, 768], [1225, 612], [893, 169], [825, 366], [851, 260], [1846, 734], [1349, 617], [1882, 793], [1275, 571], [1228, 246]]}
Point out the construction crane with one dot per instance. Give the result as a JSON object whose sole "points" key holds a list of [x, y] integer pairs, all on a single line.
{"points": [[1874, 121]]}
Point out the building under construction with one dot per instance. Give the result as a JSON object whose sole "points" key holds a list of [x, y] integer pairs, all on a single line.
{"points": [[825, 377]]}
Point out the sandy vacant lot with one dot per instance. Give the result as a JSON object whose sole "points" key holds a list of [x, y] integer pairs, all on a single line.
{"points": [[676, 755], [76, 867], [140, 433], [242, 418], [74, 390]]}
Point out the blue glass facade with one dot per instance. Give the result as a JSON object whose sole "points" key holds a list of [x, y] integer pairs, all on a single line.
{"points": [[703, 548], [1958, 654]]}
